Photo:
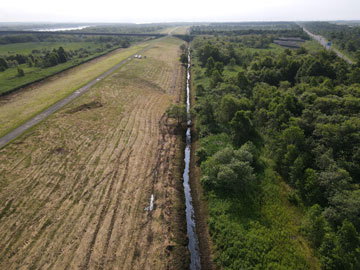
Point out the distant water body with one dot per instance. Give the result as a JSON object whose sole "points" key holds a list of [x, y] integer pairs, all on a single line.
{"points": [[60, 29]]}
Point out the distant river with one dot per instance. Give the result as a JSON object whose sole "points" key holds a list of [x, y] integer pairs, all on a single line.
{"points": [[60, 29]]}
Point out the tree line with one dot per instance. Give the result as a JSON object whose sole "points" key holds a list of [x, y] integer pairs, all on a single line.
{"points": [[279, 29]]}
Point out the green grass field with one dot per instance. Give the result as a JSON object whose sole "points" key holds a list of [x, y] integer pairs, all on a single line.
{"points": [[27, 48]]}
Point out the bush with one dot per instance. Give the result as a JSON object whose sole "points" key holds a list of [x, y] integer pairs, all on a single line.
{"points": [[229, 170], [20, 72], [293, 197]]}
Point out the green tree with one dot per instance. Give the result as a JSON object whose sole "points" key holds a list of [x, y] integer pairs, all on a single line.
{"points": [[357, 57], [215, 78], [232, 63], [311, 188], [229, 105], [229, 170], [315, 225], [177, 112], [62, 55], [3, 64], [242, 128], [219, 67], [183, 59], [242, 80], [210, 64], [341, 251]]}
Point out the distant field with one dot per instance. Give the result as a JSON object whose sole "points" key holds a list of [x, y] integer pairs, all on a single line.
{"points": [[181, 30], [176, 30], [22, 105], [165, 30], [75, 188], [27, 48]]}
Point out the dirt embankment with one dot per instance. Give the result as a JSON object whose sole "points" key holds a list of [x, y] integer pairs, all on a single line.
{"points": [[75, 191]]}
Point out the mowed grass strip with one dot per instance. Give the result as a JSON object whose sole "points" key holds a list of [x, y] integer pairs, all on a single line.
{"points": [[16, 108], [74, 189]]}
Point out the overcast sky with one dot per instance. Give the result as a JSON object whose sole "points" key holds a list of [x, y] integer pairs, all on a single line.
{"points": [[140, 11]]}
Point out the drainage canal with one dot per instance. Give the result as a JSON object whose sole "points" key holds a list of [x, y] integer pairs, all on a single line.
{"points": [[190, 214]]}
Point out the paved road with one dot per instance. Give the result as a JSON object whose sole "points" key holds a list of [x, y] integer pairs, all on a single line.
{"points": [[41, 116], [324, 43]]}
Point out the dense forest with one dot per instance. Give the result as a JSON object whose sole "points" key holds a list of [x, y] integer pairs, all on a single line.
{"points": [[346, 37], [279, 149], [274, 29]]}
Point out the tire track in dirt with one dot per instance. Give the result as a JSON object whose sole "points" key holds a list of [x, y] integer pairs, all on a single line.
{"points": [[128, 145], [113, 217], [155, 171], [124, 147], [141, 147], [100, 220], [41, 191], [150, 103]]}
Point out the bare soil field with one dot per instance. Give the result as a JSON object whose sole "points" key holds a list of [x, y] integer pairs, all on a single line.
{"points": [[21, 105], [75, 191]]}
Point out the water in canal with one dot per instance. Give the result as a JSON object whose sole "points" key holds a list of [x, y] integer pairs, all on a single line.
{"points": [[190, 214]]}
